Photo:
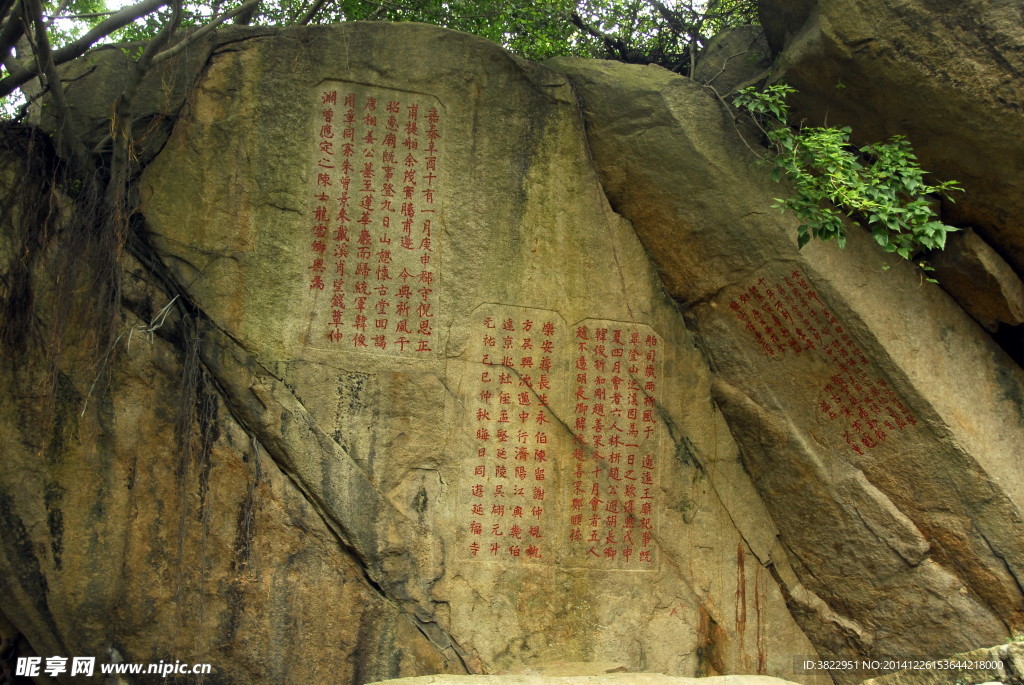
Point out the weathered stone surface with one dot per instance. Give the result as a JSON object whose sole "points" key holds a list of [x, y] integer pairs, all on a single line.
{"points": [[903, 539], [603, 679], [1000, 664], [94, 81], [734, 59], [117, 542], [359, 527], [980, 280], [576, 668], [309, 472], [505, 247], [948, 75]]}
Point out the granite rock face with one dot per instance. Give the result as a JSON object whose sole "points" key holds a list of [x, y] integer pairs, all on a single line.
{"points": [[889, 472], [734, 59], [1000, 664], [435, 360], [428, 346]]}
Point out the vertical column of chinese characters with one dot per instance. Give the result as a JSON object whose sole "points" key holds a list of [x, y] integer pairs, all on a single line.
{"points": [[366, 301], [323, 212], [611, 511], [740, 307], [779, 327], [642, 426], [414, 169], [508, 490], [805, 330], [331, 229], [768, 323], [584, 458]]}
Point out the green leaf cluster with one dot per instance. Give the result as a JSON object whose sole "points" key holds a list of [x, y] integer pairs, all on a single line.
{"points": [[880, 186]]}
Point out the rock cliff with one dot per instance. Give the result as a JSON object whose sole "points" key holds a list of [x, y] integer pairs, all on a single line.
{"points": [[434, 360]]}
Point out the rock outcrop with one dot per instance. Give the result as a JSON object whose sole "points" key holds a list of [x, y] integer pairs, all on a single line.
{"points": [[734, 59], [434, 360], [948, 76], [427, 340], [838, 379], [980, 280], [1000, 664]]}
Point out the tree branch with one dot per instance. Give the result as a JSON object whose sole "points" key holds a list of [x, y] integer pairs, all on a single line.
{"points": [[85, 15], [12, 29], [63, 6], [312, 12], [67, 140], [5, 8], [121, 126], [690, 30], [611, 44], [19, 77], [193, 37]]}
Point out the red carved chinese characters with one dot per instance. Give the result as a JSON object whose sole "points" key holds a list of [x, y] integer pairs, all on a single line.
{"points": [[614, 458], [373, 239], [509, 480], [786, 316]]}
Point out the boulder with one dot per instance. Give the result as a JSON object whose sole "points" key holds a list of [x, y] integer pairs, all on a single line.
{"points": [[450, 350], [980, 280], [403, 395], [734, 59], [431, 360]]}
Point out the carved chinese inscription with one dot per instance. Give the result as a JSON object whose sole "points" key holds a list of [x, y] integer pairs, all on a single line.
{"points": [[566, 441], [373, 254], [509, 479], [786, 317], [616, 450]]}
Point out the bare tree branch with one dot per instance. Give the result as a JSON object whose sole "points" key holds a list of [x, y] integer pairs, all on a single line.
{"points": [[5, 7], [672, 18], [18, 77], [193, 37], [121, 125], [612, 44], [84, 15], [63, 6], [691, 28], [311, 12]]}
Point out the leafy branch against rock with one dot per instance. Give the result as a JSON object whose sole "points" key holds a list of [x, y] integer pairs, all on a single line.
{"points": [[880, 186]]}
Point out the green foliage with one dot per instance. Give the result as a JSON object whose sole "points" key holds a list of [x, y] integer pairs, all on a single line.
{"points": [[663, 32], [63, 30], [881, 185], [670, 33], [666, 33]]}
